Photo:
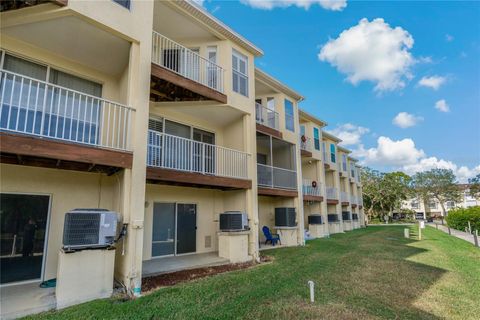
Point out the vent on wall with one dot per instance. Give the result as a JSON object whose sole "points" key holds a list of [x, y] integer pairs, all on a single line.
{"points": [[208, 241]]}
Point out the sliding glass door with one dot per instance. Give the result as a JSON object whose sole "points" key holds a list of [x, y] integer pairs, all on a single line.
{"points": [[174, 229]]}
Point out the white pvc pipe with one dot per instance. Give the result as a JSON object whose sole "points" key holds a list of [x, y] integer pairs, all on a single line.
{"points": [[312, 291]]}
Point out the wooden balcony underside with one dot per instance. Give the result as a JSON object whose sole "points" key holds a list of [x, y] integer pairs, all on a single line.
{"points": [[44, 152], [273, 192], [306, 153], [8, 5], [345, 203], [269, 131], [191, 179], [332, 201], [354, 205], [166, 85], [312, 198]]}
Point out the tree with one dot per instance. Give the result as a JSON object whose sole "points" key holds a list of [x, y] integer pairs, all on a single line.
{"points": [[474, 186], [439, 184], [384, 192]]}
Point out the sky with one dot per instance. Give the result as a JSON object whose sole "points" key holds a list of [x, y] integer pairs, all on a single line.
{"points": [[398, 81]]}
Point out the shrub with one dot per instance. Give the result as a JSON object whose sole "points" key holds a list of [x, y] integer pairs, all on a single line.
{"points": [[458, 218]]}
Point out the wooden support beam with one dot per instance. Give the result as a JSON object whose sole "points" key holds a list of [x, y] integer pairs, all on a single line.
{"points": [[24, 145]]}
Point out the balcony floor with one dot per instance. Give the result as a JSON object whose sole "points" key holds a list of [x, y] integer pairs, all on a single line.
{"points": [[19, 300], [171, 264], [166, 85], [192, 179], [50, 153]]}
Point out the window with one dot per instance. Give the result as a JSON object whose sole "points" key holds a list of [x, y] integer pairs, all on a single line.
{"points": [[271, 103], [344, 162], [332, 153], [450, 204], [212, 67], [414, 204], [289, 118], [316, 138], [68, 115], [240, 73], [123, 3], [432, 205], [302, 130]]}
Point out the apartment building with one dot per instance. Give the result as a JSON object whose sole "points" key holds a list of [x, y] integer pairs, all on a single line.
{"points": [[278, 158], [432, 207], [154, 110], [313, 175]]}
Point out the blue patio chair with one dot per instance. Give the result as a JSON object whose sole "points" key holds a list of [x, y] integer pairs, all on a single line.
{"points": [[272, 238]]}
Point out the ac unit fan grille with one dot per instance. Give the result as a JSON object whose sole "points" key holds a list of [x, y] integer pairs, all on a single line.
{"points": [[81, 229]]}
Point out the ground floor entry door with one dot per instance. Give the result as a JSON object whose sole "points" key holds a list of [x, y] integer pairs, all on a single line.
{"points": [[23, 232], [174, 229]]}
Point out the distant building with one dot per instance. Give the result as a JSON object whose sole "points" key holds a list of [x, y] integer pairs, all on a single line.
{"points": [[433, 207]]}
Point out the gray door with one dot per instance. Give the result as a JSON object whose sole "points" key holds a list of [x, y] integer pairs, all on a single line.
{"points": [[186, 228], [163, 231]]}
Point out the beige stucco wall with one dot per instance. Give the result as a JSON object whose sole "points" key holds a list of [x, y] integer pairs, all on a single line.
{"points": [[210, 203], [67, 190]]}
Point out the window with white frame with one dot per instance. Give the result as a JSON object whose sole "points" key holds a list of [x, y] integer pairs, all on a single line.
{"points": [[414, 204], [289, 117], [240, 73], [432, 204], [450, 204]]}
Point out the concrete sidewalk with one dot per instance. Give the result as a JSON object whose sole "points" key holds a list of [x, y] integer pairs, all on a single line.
{"points": [[457, 233]]}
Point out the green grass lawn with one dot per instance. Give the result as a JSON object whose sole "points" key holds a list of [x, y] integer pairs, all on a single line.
{"points": [[370, 273]]}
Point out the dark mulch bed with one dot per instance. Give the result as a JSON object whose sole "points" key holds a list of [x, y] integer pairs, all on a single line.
{"points": [[170, 279]]}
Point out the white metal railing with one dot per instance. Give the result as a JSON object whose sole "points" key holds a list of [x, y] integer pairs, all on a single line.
{"points": [[172, 152], [310, 190], [274, 177], [185, 62], [344, 197], [266, 116], [34, 107], [305, 143], [331, 193]]}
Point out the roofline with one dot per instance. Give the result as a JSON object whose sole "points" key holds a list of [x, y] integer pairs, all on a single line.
{"points": [[344, 150], [352, 159], [277, 84], [199, 12], [331, 136], [311, 117]]}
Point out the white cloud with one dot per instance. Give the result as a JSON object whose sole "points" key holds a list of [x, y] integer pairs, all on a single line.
{"points": [[433, 82], [335, 5], [372, 51], [441, 105], [449, 38], [462, 173], [406, 120], [350, 134], [391, 153], [405, 156]]}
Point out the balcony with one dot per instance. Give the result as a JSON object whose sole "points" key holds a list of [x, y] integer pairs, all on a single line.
{"points": [[332, 197], [41, 122], [176, 160], [181, 74], [344, 198], [327, 161], [7, 5], [267, 120], [306, 146], [276, 178], [311, 193], [353, 201]]}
